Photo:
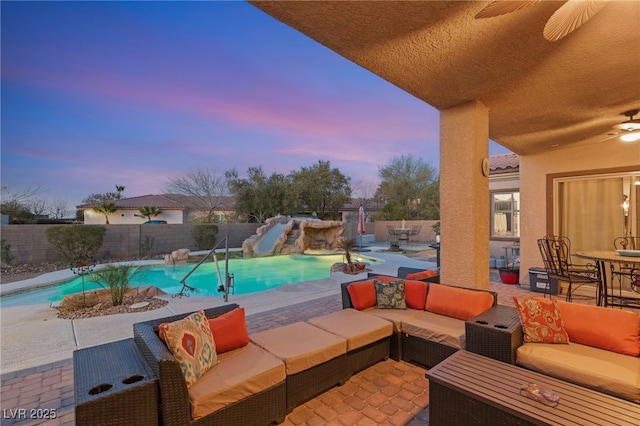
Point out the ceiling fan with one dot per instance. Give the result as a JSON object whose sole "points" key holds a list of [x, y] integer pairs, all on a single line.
{"points": [[569, 17], [628, 130]]}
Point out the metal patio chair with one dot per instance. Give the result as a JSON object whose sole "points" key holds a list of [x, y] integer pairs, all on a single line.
{"points": [[623, 271], [556, 256]]}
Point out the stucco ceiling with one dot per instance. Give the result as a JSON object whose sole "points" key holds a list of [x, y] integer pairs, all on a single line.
{"points": [[539, 93]]}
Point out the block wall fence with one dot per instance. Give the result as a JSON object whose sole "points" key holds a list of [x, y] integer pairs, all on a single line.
{"points": [[29, 242]]}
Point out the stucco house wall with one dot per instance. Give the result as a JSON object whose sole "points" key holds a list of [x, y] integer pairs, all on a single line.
{"points": [[535, 201], [127, 217]]}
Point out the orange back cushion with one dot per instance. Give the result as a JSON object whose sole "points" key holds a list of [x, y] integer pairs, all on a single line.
{"points": [[229, 330], [422, 274], [457, 302], [604, 328], [415, 294], [362, 294]]}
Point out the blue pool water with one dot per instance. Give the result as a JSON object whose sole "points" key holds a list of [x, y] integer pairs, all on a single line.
{"points": [[250, 276]]}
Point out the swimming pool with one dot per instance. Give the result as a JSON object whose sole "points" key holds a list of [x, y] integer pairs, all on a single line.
{"points": [[250, 276]]}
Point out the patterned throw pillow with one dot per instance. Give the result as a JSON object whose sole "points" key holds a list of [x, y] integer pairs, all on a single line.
{"points": [[390, 295], [541, 321], [191, 343]]}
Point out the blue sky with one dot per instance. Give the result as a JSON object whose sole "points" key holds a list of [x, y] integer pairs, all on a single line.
{"points": [[96, 94]]}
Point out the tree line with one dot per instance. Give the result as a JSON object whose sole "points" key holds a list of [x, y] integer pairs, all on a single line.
{"points": [[408, 189]]}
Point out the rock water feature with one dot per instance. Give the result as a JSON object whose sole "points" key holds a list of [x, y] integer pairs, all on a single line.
{"points": [[287, 235]]}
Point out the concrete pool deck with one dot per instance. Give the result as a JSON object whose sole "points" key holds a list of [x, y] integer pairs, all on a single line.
{"points": [[33, 335], [388, 393]]}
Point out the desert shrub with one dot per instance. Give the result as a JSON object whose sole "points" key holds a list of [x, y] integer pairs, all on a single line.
{"points": [[5, 253], [146, 246], [205, 236], [116, 280], [71, 241]]}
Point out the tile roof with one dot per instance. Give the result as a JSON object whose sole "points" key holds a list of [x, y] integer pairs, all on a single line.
{"points": [[504, 162], [165, 202]]}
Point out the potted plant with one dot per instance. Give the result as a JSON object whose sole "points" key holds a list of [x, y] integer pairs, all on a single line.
{"points": [[510, 274], [394, 244]]}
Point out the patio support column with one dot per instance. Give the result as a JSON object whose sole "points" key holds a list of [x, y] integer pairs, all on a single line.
{"points": [[464, 196]]}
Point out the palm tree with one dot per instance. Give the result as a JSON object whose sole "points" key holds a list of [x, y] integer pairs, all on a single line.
{"points": [[347, 245], [119, 189], [148, 212], [106, 209]]}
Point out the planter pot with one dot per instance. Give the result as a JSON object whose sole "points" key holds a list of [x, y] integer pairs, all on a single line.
{"points": [[509, 275]]}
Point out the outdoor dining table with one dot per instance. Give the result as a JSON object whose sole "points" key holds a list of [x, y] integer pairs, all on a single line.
{"points": [[602, 258], [403, 233]]}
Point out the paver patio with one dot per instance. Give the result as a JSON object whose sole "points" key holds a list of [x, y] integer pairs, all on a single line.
{"points": [[390, 392]]}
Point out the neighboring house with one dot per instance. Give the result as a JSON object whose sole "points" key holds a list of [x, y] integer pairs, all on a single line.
{"points": [[186, 209], [504, 199], [349, 212], [174, 208]]}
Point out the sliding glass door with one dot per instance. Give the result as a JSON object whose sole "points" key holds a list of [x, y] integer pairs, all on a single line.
{"points": [[593, 210]]}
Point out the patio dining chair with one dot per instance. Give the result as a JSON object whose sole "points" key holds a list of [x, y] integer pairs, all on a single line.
{"points": [[415, 230], [556, 256], [393, 233], [624, 272]]}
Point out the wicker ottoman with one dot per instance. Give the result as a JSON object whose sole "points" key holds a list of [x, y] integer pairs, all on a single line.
{"points": [[368, 337], [315, 360]]}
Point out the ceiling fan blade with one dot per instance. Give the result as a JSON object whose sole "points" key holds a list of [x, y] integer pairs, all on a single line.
{"points": [[502, 7], [570, 16], [609, 137], [621, 135]]}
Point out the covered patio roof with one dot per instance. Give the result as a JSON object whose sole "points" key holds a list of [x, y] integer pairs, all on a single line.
{"points": [[540, 94]]}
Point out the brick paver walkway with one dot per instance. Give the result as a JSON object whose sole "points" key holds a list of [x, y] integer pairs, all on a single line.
{"points": [[393, 393]]}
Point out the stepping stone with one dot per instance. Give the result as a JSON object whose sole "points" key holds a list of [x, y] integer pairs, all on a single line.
{"points": [[139, 305]]}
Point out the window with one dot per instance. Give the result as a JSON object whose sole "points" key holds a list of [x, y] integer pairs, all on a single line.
{"points": [[505, 214], [593, 210]]}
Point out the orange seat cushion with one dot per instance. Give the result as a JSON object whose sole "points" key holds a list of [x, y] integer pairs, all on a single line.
{"points": [[457, 302], [605, 328], [422, 274], [362, 294], [229, 330]]}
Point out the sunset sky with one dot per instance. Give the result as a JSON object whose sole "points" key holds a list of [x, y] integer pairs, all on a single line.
{"points": [[96, 94]]}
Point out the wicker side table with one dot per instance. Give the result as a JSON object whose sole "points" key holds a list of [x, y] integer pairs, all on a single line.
{"points": [[113, 384], [495, 333]]}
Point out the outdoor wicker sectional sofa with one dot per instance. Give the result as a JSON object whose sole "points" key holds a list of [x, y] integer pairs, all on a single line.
{"points": [[433, 326], [602, 353], [277, 370]]}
